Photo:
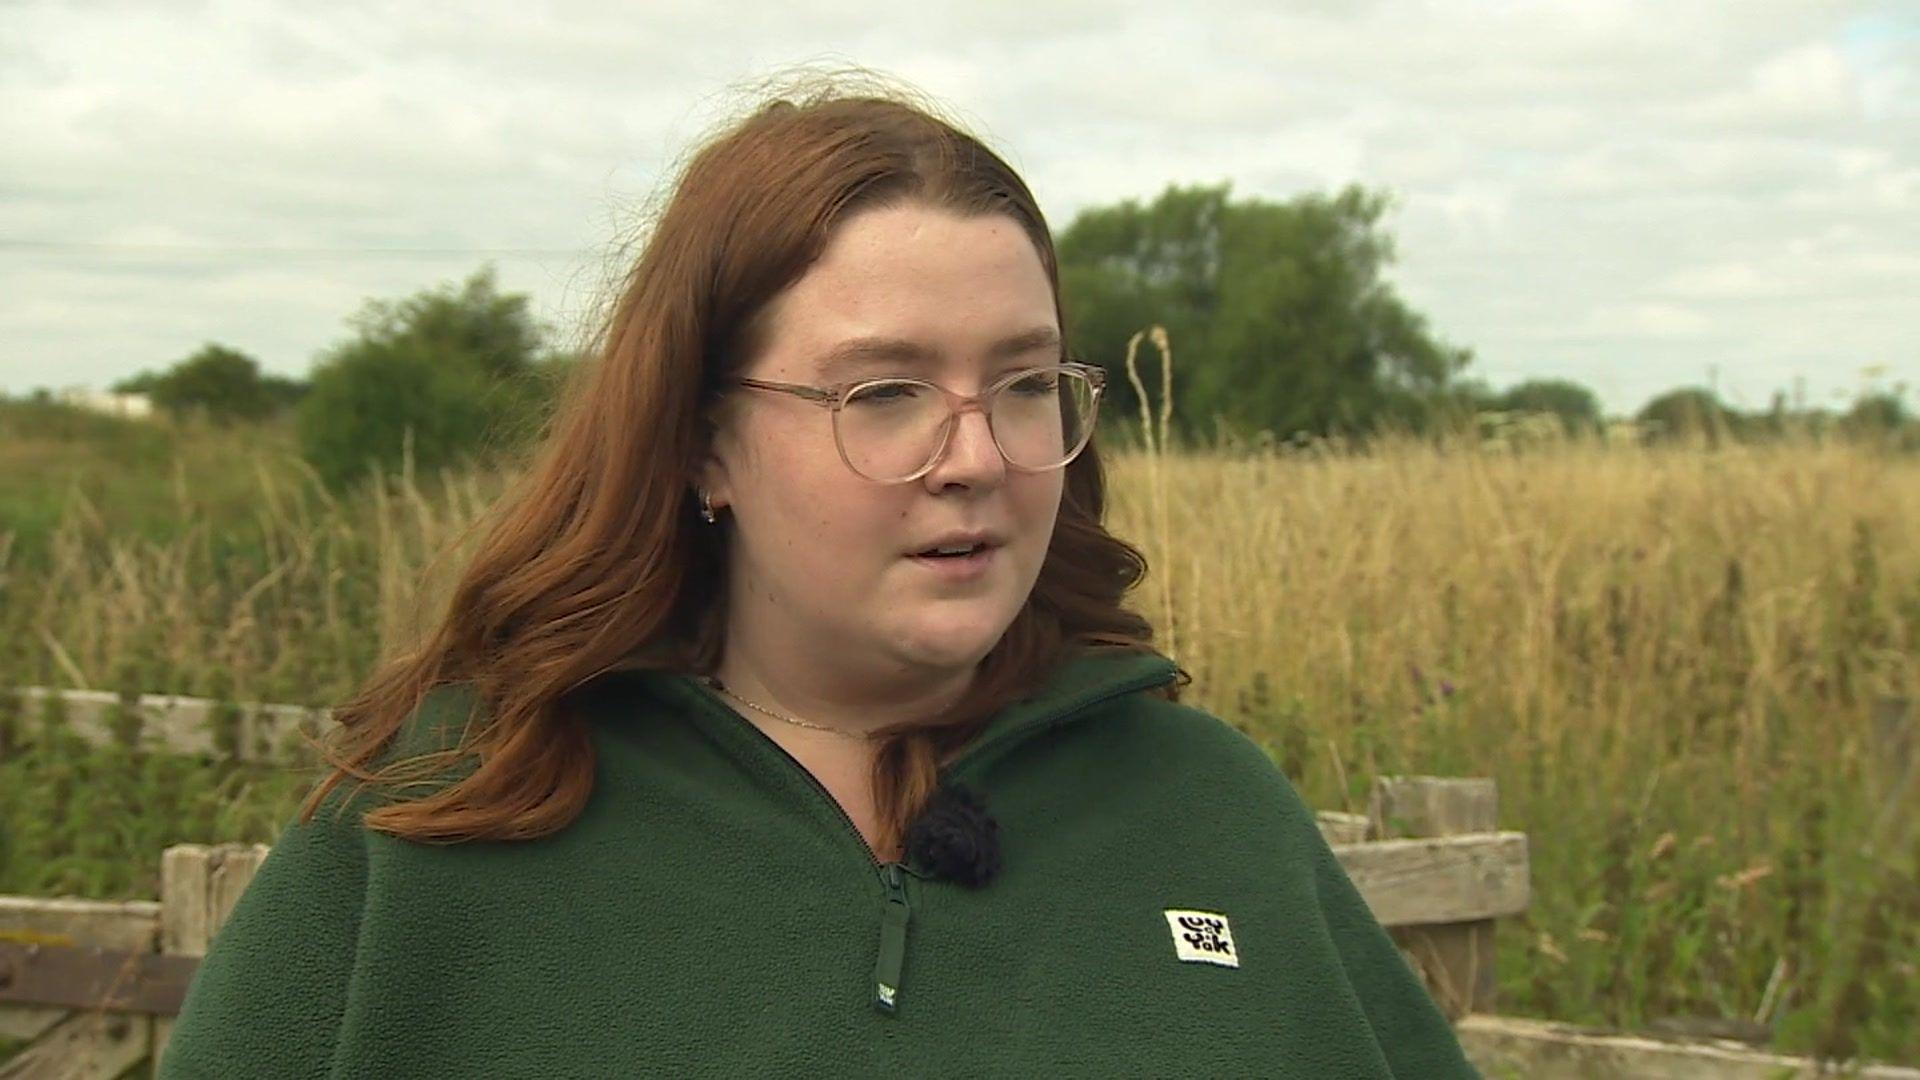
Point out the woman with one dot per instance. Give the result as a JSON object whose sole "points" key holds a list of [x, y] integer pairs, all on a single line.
{"points": [[789, 719]]}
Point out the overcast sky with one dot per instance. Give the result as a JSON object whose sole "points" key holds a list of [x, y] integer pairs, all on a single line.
{"points": [[1635, 196]]}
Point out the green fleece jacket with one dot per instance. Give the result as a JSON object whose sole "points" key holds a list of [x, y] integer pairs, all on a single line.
{"points": [[1164, 906]]}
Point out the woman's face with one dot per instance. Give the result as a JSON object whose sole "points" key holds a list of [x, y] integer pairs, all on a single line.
{"points": [[824, 563]]}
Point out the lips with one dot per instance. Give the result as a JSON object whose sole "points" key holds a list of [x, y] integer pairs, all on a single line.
{"points": [[957, 544], [948, 551], [969, 569]]}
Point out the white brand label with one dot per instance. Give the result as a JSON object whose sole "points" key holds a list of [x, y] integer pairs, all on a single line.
{"points": [[1203, 936]]}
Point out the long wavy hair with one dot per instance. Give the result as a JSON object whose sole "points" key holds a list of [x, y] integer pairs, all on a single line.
{"points": [[598, 555]]}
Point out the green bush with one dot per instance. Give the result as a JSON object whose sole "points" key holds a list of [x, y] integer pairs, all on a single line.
{"points": [[371, 399], [454, 372], [1690, 413], [223, 384]]}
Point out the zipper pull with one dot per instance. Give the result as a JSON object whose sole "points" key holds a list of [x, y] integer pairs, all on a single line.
{"points": [[893, 941]]}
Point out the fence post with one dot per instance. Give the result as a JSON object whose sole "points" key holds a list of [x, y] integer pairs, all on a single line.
{"points": [[199, 884], [1454, 959]]}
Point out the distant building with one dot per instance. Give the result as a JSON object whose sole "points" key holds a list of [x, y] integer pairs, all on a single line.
{"points": [[104, 401]]}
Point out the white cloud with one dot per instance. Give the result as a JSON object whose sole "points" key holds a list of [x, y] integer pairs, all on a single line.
{"points": [[1620, 193], [1655, 321], [1805, 84], [1725, 280]]}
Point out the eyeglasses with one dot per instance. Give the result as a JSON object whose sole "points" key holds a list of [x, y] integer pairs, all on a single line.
{"points": [[893, 430]]}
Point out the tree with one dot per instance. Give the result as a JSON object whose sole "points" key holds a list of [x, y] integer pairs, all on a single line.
{"points": [[1575, 405], [1458, 407], [286, 393], [373, 401], [458, 371], [493, 332], [1882, 417], [142, 383], [1876, 414], [1277, 312], [223, 384], [1688, 413]]}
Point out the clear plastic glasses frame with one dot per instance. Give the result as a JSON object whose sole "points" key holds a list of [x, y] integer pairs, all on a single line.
{"points": [[835, 396]]}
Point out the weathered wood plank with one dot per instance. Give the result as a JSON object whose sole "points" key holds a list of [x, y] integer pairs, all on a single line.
{"points": [[84, 1046], [21, 1023], [1339, 828], [265, 732], [1455, 960], [1423, 806], [130, 925], [199, 884], [1444, 880], [89, 977], [1504, 1046]]}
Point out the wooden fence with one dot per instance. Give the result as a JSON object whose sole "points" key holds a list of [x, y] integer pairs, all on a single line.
{"points": [[91, 986], [175, 724]]}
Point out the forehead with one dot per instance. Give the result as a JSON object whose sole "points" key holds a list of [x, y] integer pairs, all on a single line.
{"points": [[914, 285], [857, 354]]}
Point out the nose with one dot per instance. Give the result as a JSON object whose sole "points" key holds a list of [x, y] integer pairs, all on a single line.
{"points": [[970, 457]]}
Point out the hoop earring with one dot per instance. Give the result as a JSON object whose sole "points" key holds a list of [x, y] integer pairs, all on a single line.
{"points": [[706, 507]]}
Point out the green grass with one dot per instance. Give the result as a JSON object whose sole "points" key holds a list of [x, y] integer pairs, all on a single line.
{"points": [[1671, 661]]}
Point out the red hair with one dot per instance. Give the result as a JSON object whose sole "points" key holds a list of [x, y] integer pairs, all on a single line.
{"points": [[598, 555]]}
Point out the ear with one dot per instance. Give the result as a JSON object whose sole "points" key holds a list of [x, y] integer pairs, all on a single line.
{"points": [[712, 475]]}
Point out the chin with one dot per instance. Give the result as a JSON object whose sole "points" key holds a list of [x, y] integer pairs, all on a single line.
{"points": [[950, 644]]}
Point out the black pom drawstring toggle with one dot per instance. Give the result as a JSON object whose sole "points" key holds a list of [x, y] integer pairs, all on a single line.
{"points": [[954, 838]]}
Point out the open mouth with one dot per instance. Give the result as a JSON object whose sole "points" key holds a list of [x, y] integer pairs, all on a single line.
{"points": [[956, 563], [957, 552]]}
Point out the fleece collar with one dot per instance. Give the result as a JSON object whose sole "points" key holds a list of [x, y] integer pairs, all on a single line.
{"points": [[1085, 679]]}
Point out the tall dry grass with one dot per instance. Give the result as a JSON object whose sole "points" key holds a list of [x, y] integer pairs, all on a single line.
{"points": [[291, 601], [1692, 674], [1683, 667]]}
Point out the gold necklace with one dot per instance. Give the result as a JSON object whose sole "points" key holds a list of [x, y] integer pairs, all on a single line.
{"points": [[716, 684]]}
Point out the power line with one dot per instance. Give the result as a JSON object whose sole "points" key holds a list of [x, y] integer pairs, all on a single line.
{"points": [[245, 251]]}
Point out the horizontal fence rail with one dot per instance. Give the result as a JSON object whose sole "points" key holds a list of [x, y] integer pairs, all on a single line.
{"points": [[1503, 1046], [96, 981], [247, 731], [109, 954]]}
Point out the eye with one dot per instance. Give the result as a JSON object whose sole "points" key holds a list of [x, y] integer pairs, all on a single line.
{"points": [[1036, 383], [885, 392]]}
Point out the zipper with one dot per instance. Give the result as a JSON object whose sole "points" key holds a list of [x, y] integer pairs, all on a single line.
{"points": [[896, 913], [893, 941], [825, 795], [893, 915]]}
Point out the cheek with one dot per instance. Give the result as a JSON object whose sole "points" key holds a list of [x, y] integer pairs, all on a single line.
{"points": [[1039, 505], [820, 512]]}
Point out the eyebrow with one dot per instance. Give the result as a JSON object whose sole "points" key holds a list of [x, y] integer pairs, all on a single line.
{"points": [[864, 350]]}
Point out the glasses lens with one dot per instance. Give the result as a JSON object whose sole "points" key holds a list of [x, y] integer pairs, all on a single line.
{"points": [[890, 428], [1043, 417]]}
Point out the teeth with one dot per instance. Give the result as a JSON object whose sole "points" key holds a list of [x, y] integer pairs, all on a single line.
{"points": [[953, 551]]}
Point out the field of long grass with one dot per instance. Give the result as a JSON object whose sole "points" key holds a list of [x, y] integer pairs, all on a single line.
{"points": [[1691, 671], [1693, 675]]}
